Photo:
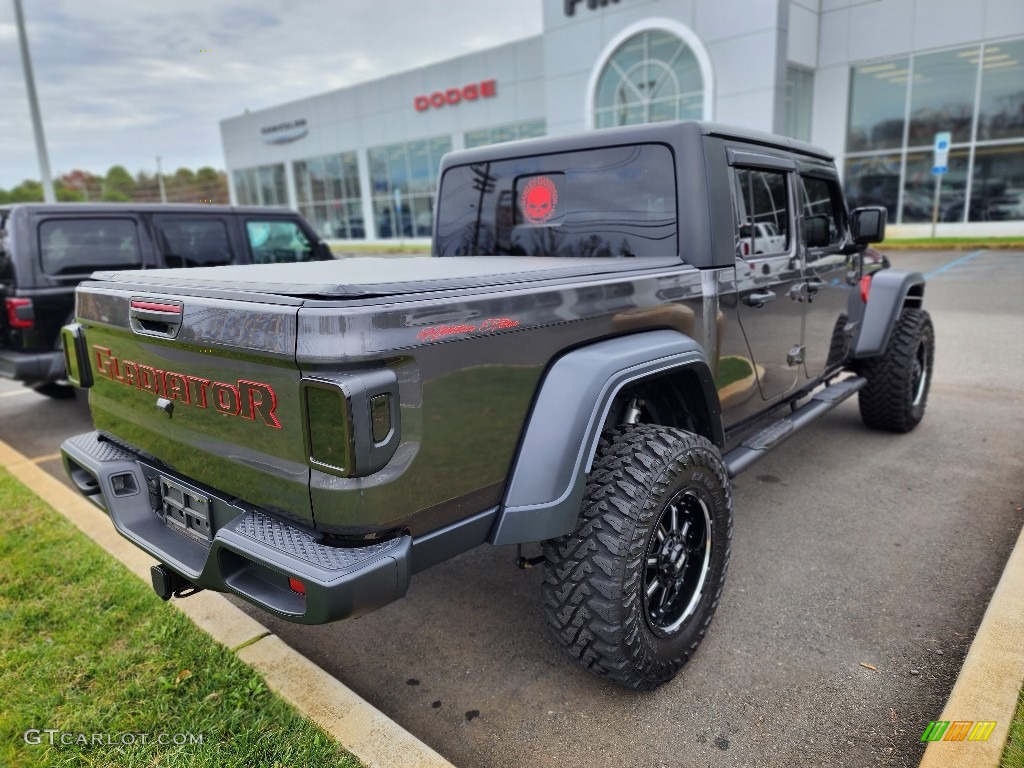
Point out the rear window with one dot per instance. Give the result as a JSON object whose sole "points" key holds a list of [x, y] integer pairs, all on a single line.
{"points": [[276, 242], [193, 242], [613, 201], [73, 246]]}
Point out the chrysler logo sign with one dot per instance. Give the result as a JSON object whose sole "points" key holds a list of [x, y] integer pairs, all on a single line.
{"points": [[282, 133]]}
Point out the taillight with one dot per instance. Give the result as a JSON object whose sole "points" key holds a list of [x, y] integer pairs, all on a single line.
{"points": [[20, 313], [865, 288]]}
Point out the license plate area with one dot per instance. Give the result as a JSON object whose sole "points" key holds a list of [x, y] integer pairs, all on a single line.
{"points": [[186, 511]]}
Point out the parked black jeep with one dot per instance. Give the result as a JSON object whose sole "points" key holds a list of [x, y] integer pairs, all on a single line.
{"points": [[47, 250]]}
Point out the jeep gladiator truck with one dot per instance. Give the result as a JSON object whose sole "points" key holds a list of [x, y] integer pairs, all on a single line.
{"points": [[590, 356]]}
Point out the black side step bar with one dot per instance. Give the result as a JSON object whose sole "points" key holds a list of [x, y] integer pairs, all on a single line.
{"points": [[757, 445]]}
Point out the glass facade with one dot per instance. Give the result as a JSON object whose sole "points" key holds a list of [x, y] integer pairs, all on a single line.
{"points": [[896, 108], [653, 76], [528, 129], [263, 185], [403, 178], [328, 195]]}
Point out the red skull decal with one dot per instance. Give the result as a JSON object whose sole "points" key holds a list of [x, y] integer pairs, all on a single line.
{"points": [[538, 199]]}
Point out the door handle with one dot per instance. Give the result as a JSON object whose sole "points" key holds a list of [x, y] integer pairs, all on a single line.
{"points": [[758, 299]]}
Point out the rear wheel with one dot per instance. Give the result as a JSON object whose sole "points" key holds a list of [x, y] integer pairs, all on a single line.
{"points": [[631, 592], [898, 381]]}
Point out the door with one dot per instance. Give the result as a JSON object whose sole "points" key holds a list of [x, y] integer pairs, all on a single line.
{"points": [[826, 269], [768, 277]]}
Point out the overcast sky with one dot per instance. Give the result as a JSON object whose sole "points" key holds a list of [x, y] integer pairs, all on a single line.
{"points": [[122, 81]]}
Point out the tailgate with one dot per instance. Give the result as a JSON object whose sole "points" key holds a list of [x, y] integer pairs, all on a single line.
{"points": [[208, 386]]}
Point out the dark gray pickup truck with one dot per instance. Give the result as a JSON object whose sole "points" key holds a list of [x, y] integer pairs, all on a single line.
{"points": [[601, 342]]}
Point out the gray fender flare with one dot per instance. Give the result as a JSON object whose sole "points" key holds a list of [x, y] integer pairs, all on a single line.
{"points": [[549, 474], [889, 291]]}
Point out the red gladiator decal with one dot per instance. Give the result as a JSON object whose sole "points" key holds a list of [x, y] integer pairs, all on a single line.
{"points": [[244, 398], [538, 200]]}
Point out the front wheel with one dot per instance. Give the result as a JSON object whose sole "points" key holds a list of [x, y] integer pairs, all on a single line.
{"points": [[898, 381], [631, 592]]}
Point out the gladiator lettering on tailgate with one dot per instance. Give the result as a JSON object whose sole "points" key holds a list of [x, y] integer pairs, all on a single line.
{"points": [[244, 398]]}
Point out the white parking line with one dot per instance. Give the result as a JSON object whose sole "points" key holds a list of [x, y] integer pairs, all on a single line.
{"points": [[16, 392]]}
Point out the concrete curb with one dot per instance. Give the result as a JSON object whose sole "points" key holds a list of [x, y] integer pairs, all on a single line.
{"points": [[370, 735], [991, 676]]}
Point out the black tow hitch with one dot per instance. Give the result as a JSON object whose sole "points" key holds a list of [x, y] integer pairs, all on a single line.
{"points": [[168, 584], [526, 562]]}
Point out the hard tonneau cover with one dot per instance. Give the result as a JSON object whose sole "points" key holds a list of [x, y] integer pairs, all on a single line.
{"points": [[381, 276]]}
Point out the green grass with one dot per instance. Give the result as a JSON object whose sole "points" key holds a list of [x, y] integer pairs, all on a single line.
{"points": [[1013, 755], [87, 648], [952, 243], [732, 368], [379, 248]]}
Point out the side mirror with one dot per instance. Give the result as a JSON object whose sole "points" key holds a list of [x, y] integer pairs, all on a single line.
{"points": [[867, 225], [323, 251], [816, 233]]}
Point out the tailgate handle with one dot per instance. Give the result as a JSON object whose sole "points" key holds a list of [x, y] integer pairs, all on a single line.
{"points": [[155, 317]]}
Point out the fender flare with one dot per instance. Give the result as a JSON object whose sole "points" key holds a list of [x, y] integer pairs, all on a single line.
{"points": [[889, 291], [549, 474]]}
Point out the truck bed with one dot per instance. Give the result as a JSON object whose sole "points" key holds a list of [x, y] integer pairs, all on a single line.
{"points": [[379, 276]]}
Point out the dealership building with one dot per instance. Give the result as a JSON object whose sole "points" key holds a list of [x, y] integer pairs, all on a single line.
{"points": [[872, 81]]}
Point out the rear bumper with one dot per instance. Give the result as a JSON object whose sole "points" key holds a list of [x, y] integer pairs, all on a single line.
{"points": [[252, 553], [31, 366]]}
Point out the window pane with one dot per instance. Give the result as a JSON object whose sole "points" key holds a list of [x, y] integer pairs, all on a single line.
{"points": [[397, 164], [821, 198], [532, 129], [301, 173], [558, 205], [762, 212], [280, 186], [646, 80], [997, 189], [878, 94], [874, 180], [476, 139], [942, 95], [1002, 91], [195, 243], [383, 212], [799, 92], [73, 246], [332, 173], [350, 169], [419, 162], [919, 188], [378, 161], [274, 242]]}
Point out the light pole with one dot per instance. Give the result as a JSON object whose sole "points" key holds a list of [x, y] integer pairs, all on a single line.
{"points": [[33, 105], [160, 179]]}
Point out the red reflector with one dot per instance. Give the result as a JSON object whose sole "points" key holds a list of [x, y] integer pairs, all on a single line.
{"points": [[865, 288], [19, 312], [154, 306], [296, 585]]}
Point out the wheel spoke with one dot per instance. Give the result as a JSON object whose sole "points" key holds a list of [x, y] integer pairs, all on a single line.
{"points": [[653, 587], [652, 562], [675, 517]]}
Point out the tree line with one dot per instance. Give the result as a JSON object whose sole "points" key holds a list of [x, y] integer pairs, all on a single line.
{"points": [[206, 185]]}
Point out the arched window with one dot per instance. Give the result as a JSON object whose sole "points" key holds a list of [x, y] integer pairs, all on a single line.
{"points": [[652, 76]]}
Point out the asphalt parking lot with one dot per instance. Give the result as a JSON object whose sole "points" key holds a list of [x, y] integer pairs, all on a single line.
{"points": [[851, 548]]}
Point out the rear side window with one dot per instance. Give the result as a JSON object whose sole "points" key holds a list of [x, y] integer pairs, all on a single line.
{"points": [[762, 211], [613, 201], [193, 242], [75, 246], [276, 242]]}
